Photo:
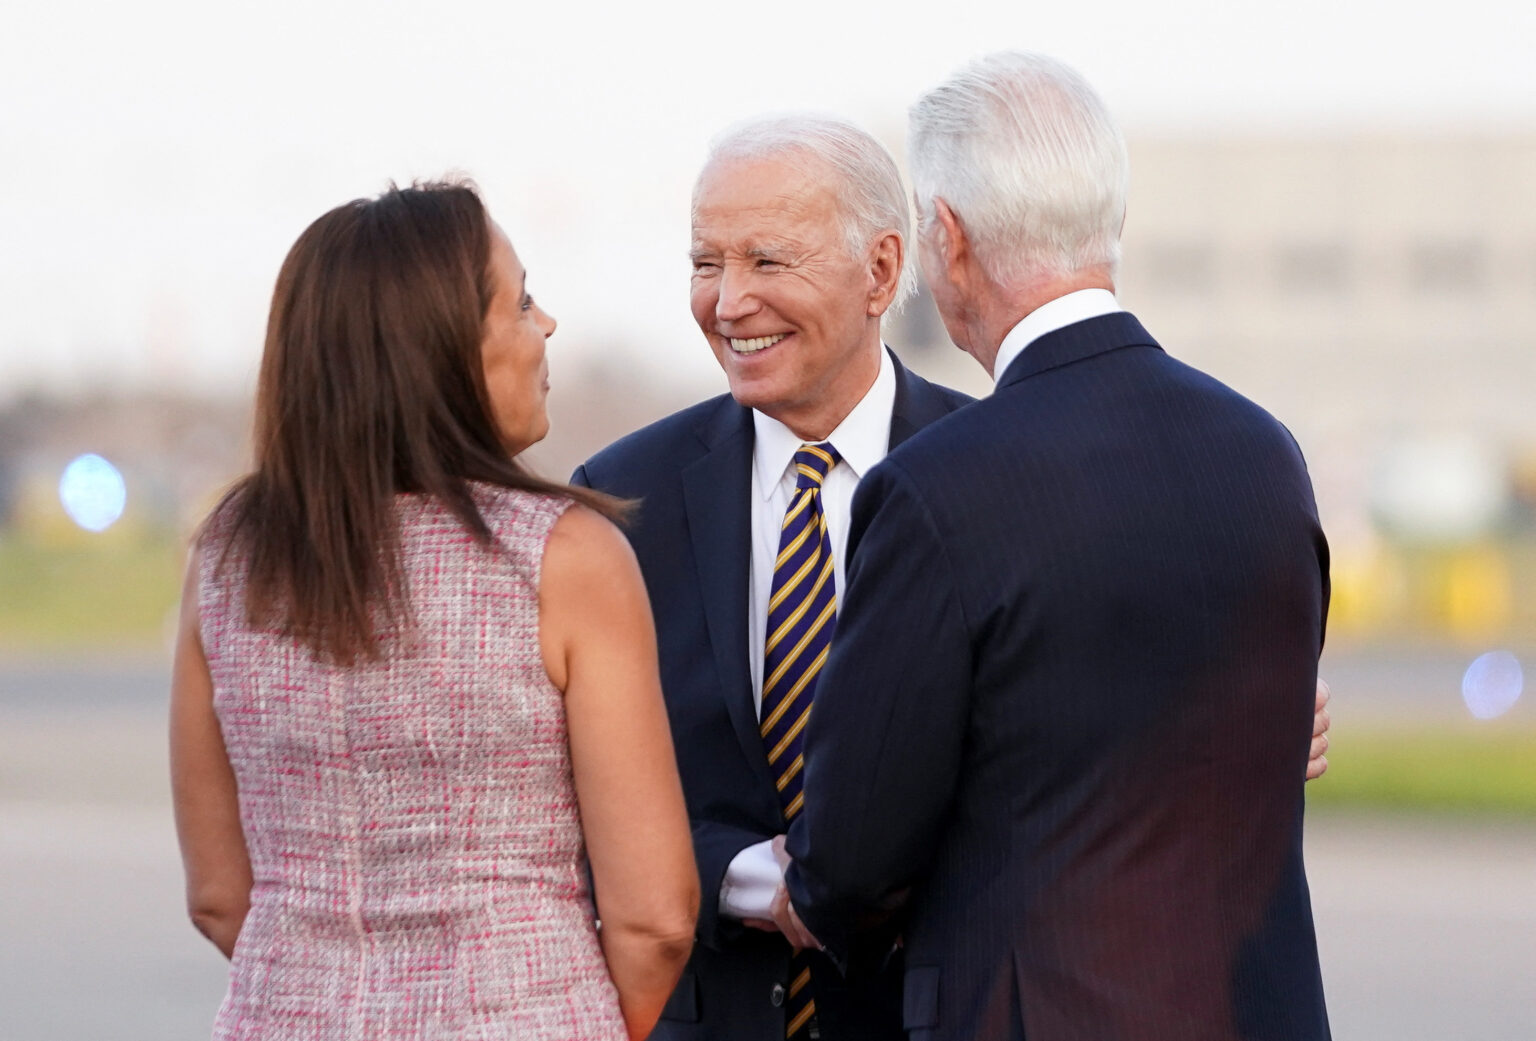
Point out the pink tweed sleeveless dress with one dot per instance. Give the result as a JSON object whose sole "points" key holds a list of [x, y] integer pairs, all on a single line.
{"points": [[412, 826]]}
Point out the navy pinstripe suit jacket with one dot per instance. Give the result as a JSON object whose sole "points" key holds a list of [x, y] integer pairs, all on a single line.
{"points": [[1068, 707]]}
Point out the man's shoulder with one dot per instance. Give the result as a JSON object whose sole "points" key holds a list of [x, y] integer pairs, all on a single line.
{"points": [[947, 397], [939, 462], [928, 395], [955, 417], [1031, 419], [920, 404], [1195, 390], [664, 444]]}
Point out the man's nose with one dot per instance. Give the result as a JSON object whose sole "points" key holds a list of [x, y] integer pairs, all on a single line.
{"points": [[736, 300]]}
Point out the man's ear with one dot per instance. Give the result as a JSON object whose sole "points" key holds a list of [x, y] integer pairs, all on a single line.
{"points": [[953, 243], [885, 272]]}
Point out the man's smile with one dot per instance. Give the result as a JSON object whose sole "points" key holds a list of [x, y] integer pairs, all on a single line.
{"points": [[755, 344]]}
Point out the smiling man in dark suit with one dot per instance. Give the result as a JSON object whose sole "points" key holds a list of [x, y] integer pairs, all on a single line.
{"points": [[1066, 719], [798, 249]]}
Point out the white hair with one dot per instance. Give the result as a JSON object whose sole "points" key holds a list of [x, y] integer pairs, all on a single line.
{"points": [[1025, 154], [871, 200]]}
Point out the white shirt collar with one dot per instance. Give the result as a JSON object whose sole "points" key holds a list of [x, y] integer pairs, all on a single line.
{"points": [[862, 438], [1047, 318]]}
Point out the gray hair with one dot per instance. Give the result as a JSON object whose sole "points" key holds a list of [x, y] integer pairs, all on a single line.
{"points": [[1024, 152], [871, 200]]}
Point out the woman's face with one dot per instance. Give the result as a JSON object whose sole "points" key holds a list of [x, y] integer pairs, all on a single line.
{"points": [[512, 351]]}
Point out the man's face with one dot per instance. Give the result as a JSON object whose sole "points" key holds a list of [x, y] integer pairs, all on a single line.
{"points": [[786, 310]]}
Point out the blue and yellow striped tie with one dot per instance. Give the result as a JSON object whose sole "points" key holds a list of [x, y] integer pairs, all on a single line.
{"points": [[802, 612]]}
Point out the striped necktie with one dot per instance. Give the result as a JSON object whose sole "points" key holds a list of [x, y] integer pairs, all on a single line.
{"points": [[802, 612]]}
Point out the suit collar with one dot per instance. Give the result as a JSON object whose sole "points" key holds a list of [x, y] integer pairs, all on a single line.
{"points": [[1077, 306], [724, 423], [862, 438], [1075, 342]]}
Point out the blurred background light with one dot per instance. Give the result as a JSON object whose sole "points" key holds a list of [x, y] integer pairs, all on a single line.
{"points": [[1445, 487], [1492, 684], [93, 492]]}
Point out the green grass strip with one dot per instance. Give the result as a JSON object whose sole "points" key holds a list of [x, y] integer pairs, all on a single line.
{"points": [[86, 594], [1486, 768]]}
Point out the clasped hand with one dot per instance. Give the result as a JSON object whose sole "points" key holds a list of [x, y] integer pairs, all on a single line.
{"points": [[785, 920]]}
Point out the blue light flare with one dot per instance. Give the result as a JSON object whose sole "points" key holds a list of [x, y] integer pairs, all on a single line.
{"points": [[1493, 684], [93, 492]]}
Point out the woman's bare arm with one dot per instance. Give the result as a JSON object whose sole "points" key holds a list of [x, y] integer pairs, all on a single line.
{"points": [[213, 852], [599, 645]]}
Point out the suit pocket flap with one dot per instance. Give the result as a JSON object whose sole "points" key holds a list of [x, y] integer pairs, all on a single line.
{"points": [[920, 997], [683, 1005]]}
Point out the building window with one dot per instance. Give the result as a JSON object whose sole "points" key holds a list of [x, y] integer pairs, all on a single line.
{"points": [[1312, 268], [1178, 266], [1446, 266]]}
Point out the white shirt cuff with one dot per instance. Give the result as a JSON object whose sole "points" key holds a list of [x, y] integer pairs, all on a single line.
{"points": [[751, 882]]}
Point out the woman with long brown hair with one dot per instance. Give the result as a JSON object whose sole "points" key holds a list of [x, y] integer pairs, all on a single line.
{"points": [[415, 692]]}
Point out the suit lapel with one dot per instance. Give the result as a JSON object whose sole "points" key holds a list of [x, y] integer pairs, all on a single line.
{"points": [[717, 499], [917, 404], [717, 492]]}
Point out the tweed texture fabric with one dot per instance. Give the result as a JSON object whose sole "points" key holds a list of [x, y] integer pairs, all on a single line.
{"points": [[412, 825]]}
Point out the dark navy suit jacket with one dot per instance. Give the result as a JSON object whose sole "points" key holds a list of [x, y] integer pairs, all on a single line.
{"points": [[1069, 706], [692, 475]]}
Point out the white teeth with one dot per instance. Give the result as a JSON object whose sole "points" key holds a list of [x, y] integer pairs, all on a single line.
{"points": [[755, 344]]}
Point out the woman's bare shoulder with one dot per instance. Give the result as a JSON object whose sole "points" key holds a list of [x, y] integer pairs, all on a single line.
{"points": [[584, 547]]}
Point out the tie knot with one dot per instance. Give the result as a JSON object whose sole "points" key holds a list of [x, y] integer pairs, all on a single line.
{"points": [[813, 463]]}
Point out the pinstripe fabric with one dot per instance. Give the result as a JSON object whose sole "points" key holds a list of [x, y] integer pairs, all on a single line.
{"points": [[1111, 564], [802, 612], [413, 830]]}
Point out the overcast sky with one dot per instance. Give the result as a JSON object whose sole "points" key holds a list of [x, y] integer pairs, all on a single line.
{"points": [[158, 158]]}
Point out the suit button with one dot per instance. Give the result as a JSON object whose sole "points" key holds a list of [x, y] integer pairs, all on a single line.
{"points": [[776, 995]]}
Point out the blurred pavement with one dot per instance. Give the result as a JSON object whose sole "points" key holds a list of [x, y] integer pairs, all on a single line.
{"points": [[1427, 927]]}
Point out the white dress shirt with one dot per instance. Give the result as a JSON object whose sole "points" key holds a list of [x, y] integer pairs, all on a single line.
{"points": [[862, 440], [1047, 318]]}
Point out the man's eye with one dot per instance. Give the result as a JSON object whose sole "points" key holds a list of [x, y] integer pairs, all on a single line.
{"points": [[527, 302], [767, 262], [704, 267]]}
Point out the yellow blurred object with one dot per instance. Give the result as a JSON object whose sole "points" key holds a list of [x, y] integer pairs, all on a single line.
{"points": [[1471, 594], [1370, 591], [1478, 594]]}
